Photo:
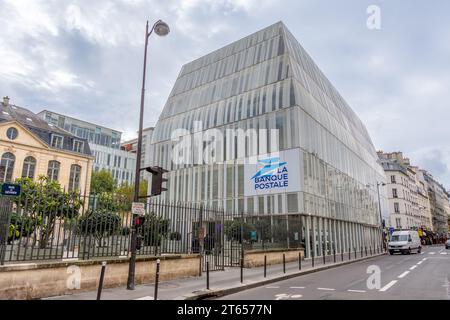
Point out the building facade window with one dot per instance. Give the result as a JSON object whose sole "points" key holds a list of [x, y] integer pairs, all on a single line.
{"points": [[7, 167], [75, 174], [398, 223], [53, 170], [12, 133], [57, 141], [394, 193], [29, 167], [78, 146], [393, 179], [396, 207]]}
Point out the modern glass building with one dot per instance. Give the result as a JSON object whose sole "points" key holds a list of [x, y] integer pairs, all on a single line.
{"points": [[308, 157], [104, 144]]}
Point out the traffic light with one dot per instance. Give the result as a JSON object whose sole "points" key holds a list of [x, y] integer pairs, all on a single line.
{"points": [[157, 180], [140, 220]]}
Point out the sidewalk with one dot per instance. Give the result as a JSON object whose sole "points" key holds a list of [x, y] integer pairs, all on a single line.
{"points": [[221, 282]]}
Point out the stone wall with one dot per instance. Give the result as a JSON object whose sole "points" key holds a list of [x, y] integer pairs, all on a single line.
{"points": [[274, 256], [39, 280]]}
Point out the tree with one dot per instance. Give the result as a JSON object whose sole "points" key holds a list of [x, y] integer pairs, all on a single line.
{"points": [[154, 229], [46, 202], [99, 223], [233, 230], [102, 181], [126, 191]]}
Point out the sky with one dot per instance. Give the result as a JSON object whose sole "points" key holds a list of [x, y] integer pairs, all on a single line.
{"points": [[84, 59]]}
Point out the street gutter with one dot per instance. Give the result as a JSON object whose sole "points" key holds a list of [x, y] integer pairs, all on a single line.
{"points": [[213, 293]]}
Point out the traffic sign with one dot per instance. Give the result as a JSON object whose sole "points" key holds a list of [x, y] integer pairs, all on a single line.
{"points": [[138, 208], [9, 189]]}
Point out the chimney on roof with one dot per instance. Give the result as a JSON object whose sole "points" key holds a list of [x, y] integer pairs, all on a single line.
{"points": [[5, 101]]}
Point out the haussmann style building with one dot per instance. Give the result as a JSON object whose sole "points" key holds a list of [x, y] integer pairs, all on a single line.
{"points": [[30, 147], [318, 168]]}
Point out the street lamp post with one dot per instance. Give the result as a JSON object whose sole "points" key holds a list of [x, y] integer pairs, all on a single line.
{"points": [[161, 29]]}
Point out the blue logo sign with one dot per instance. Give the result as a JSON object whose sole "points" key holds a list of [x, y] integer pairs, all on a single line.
{"points": [[273, 174], [10, 189]]}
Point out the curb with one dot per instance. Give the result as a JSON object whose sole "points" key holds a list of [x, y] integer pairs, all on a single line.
{"points": [[203, 294]]}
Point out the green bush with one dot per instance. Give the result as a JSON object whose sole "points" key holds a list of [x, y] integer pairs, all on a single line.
{"points": [[99, 223], [153, 230]]}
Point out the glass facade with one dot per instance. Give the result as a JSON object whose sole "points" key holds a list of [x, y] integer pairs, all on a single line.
{"points": [[104, 144], [268, 81]]}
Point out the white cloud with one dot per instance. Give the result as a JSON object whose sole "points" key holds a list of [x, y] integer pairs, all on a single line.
{"points": [[84, 58]]}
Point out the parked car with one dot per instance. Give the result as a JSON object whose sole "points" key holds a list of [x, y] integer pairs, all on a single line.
{"points": [[447, 244], [404, 242]]}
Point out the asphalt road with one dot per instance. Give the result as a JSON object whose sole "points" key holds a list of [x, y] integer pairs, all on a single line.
{"points": [[415, 276]]}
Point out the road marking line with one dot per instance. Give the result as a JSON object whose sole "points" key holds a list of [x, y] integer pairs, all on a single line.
{"points": [[145, 298], [297, 287], [296, 296], [443, 252], [359, 291], [432, 253], [326, 289], [420, 262], [274, 287], [424, 259], [413, 267], [403, 274], [390, 284]]}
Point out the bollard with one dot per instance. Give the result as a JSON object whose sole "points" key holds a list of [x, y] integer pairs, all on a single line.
{"points": [[334, 254], [370, 250], [312, 259], [242, 270], [265, 266], [365, 249], [361, 252], [100, 283], [299, 261], [323, 254], [355, 251], [207, 275], [284, 263], [349, 254], [342, 254], [157, 278]]}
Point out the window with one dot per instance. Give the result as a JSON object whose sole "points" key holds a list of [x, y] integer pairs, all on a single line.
{"points": [[78, 146], [292, 201], [393, 179], [398, 223], [29, 165], [396, 207], [74, 180], [53, 170], [394, 193], [7, 167], [61, 121], [108, 160], [12, 133], [57, 141]]}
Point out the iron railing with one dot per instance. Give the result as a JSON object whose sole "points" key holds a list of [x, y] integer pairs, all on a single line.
{"points": [[62, 226]]}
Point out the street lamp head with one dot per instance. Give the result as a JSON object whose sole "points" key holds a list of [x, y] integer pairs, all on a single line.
{"points": [[161, 28]]}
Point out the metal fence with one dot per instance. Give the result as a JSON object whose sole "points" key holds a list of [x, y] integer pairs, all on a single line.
{"points": [[39, 226]]}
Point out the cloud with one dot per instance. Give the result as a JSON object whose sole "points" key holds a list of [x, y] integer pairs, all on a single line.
{"points": [[84, 58]]}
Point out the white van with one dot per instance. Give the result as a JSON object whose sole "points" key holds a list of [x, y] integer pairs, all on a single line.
{"points": [[405, 242]]}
